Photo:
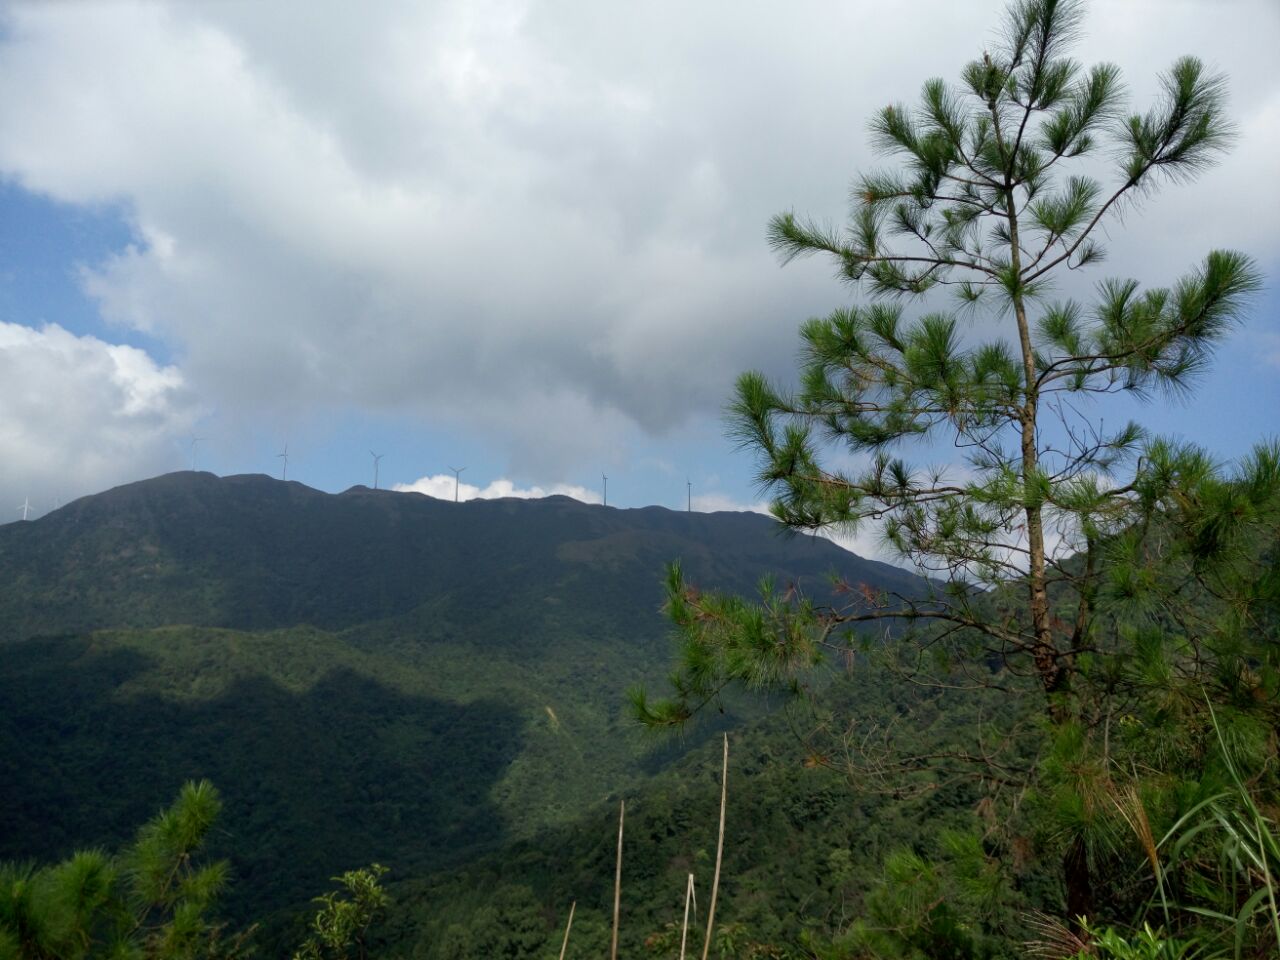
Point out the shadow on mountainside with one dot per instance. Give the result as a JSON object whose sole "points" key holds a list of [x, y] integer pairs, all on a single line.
{"points": [[347, 772]]}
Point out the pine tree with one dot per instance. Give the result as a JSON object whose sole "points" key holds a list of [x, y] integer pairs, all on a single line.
{"points": [[154, 900], [992, 203]]}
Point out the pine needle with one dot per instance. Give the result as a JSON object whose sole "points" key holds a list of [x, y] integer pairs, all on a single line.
{"points": [[1055, 940]]}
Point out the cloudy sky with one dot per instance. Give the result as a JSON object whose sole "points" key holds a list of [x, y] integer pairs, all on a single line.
{"points": [[518, 236]]}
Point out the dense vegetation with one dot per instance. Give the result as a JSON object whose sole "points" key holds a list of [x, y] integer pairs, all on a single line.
{"points": [[805, 849], [802, 853], [342, 727]]}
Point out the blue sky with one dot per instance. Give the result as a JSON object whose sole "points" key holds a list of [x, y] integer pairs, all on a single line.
{"points": [[41, 244], [511, 236]]}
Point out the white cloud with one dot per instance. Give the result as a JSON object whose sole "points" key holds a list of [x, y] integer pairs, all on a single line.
{"points": [[866, 542], [78, 415], [441, 486], [439, 210], [715, 502]]}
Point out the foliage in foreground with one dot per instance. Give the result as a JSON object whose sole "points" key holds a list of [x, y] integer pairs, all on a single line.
{"points": [[157, 900], [153, 900], [341, 925]]}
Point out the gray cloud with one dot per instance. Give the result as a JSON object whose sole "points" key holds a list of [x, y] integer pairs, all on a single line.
{"points": [[544, 220]]}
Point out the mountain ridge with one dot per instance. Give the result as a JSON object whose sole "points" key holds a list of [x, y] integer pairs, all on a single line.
{"points": [[250, 551]]}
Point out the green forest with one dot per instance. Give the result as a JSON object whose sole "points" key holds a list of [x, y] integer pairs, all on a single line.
{"points": [[379, 725]]}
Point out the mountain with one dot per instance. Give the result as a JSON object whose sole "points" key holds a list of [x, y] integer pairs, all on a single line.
{"points": [[366, 676], [253, 553]]}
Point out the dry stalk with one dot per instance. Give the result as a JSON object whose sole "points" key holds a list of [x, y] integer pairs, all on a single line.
{"points": [[565, 946], [715, 882], [617, 883], [684, 931], [1129, 804]]}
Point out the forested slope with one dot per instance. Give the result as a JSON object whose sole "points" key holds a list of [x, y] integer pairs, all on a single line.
{"points": [[364, 676]]}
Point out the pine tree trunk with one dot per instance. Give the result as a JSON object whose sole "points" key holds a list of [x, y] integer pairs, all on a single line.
{"points": [[1053, 679], [1079, 883]]}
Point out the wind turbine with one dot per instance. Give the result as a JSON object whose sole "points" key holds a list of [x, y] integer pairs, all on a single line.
{"points": [[284, 455], [194, 441], [605, 486], [689, 483], [26, 507], [457, 481], [377, 457]]}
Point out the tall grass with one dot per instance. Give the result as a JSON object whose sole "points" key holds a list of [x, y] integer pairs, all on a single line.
{"points": [[1224, 846], [1248, 845]]}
